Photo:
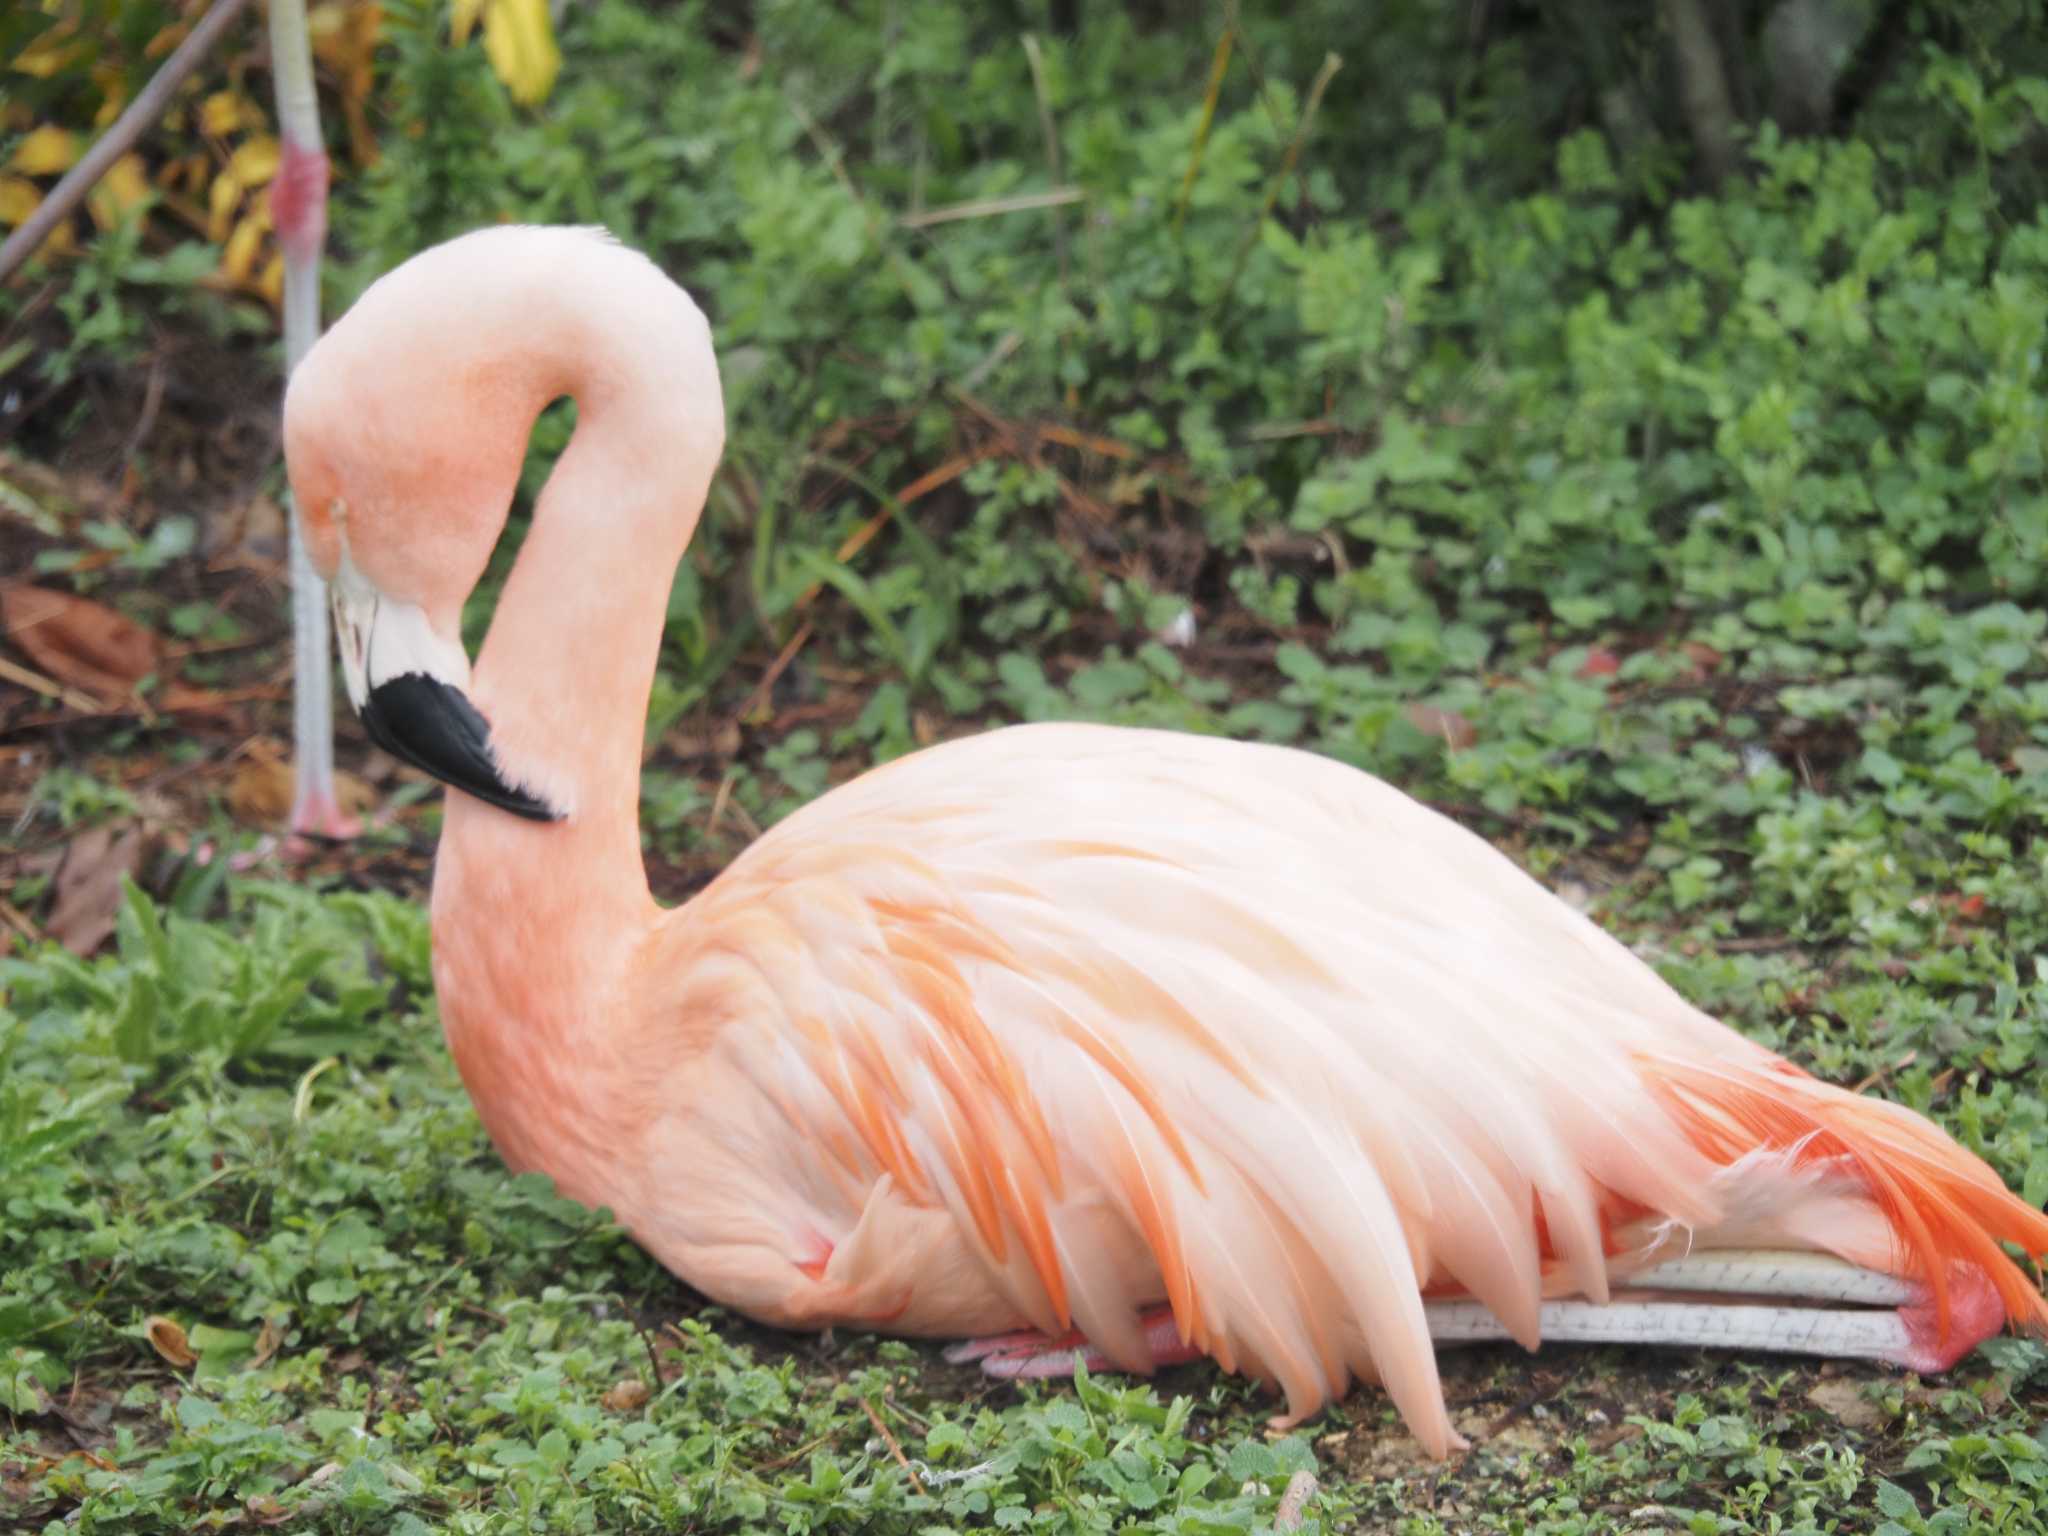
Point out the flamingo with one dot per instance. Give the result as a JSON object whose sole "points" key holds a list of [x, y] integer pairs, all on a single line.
{"points": [[1061, 1036]]}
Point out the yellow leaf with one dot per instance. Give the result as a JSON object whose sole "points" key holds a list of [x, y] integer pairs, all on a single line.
{"points": [[54, 50], [463, 19], [46, 152], [244, 246], [520, 43], [124, 187], [255, 162], [271, 286], [325, 22], [224, 112], [113, 89], [222, 198], [18, 199]]}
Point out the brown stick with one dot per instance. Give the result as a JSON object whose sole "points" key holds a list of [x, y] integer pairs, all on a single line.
{"points": [[49, 688], [145, 109], [1293, 1508], [756, 707], [895, 1450]]}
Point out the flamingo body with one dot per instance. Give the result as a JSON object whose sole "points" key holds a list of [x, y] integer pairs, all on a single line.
{"points": [[1041, 1027]]}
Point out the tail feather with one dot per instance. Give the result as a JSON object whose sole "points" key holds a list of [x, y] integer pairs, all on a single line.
{"points": [[1945, 1207]]}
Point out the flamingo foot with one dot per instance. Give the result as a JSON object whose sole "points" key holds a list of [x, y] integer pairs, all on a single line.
{"points": [[1028, 1355], [318, 816]]}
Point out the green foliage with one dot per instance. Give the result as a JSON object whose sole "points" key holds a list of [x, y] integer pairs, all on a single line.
{"points": [[97, 53], [388, 1333], [1553, 411], [75, 798], [1693, 545], [107, 301], [165, 1151], [440, 175]]}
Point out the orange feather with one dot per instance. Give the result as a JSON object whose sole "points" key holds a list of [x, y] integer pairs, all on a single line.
{"points": [[1049, 1024]]}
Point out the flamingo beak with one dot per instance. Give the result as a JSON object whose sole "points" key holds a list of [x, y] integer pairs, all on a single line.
{"points": [[406, 682]]}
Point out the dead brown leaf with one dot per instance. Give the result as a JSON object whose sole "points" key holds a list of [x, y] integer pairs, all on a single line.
{"points": [[626, 1394], [183, 699], [1447, 725], [721, 741], [79, 641], [167, 1338], [89, 885], [268, 1341], [264, 1509], [1704, 658], [260, 793], [1843, 1398]]}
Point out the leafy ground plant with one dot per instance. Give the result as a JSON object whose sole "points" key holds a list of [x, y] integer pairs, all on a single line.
{"points": [[1688, 544]]}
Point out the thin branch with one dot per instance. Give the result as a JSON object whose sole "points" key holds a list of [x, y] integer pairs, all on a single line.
{"points": [[1218, 67], [755, 710], [987, 207], [895, 1449], [836, 163], [142, 112], [1331, 64], [1051, 135], [50, 688]]}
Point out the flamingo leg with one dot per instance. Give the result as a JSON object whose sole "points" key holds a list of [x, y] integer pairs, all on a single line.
{"points": [[1875, 1316], [1886, 1318], [298, 204]]}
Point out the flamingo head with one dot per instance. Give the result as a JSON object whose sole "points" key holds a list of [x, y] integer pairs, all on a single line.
{"points": [[405, 430]]}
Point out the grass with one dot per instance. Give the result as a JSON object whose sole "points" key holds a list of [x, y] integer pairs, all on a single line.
{"points": [[1693, 548], [263, 1265]]}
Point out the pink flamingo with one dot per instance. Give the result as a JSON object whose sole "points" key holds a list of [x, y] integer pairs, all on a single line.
{"points": [[1147, 1044]]}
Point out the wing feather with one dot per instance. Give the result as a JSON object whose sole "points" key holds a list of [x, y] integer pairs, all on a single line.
{"points": [[1153, 1017]]}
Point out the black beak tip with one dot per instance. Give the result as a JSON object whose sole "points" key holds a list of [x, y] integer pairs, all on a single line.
{"points": [[434, 727]]}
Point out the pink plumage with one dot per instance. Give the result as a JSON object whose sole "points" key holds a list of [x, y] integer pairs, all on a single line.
{"points": [[1042, 1028]]}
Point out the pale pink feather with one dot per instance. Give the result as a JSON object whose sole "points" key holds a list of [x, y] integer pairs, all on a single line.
{"points": [[1042, 1026]]}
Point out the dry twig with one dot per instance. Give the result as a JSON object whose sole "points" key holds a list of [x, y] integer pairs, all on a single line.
{"points": [[988, 207], [145, 109], [895, 1450]]}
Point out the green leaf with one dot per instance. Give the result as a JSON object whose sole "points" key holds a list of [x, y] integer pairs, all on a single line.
{"points": [[1895, 1502]]}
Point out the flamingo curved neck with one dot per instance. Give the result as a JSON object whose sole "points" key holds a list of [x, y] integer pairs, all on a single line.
{"points": [[534, 923]]}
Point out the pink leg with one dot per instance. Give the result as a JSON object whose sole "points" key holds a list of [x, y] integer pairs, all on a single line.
{"points": [[317, 818], [1877, 1316], [1029, 1355]]}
